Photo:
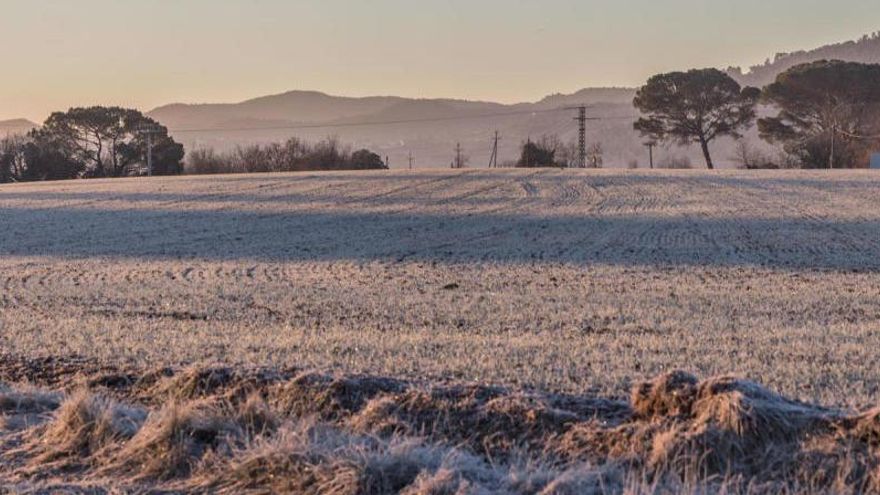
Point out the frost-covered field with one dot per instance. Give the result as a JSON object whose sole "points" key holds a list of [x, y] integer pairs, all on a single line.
{"points": [[558, 280]]}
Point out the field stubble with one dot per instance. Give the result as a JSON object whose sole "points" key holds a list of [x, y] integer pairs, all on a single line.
{"points": [[546, 279], [586, 284]]}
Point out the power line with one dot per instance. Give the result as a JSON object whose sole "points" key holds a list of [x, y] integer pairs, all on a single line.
{"points": [[386, 122], [369, 123]]}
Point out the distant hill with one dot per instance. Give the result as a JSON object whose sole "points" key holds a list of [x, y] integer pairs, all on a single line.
{"points": [[311, 107], [292, 107], [590, 96], [430, 128], [865, 50], [395, 126], [16, 126]]}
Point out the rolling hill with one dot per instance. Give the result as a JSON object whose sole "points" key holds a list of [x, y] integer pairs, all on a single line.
{"points": [[865, 50], [392, 126], [16, 126], [430, 128]]}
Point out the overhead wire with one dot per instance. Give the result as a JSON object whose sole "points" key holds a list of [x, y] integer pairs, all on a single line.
{"points": [[381, 122]]}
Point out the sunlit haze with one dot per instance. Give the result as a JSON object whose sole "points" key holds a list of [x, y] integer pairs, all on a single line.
{"points": [[144, 54]]}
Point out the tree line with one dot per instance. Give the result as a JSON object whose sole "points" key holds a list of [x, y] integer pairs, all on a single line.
{"points": [[86, 143], [89, 143], [99, 142], [865, 50], [823, 114], [827, 113], [294, 155]]}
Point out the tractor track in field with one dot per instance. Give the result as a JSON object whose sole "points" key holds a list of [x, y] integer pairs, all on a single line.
{"points": [[468, 216]]}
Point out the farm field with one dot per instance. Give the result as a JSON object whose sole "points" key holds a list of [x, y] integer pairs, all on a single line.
{"points": [[565, 284], [555, 280]]}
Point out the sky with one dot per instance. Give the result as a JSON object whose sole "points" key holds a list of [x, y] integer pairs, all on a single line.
{"points": [[62, 53]]}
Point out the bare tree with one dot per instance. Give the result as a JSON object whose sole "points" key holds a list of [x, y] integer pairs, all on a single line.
{"points": [[748, 157], [568, 155], [13, 162], [292, 156]]}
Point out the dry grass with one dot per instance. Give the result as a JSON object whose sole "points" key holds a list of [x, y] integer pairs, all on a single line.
{"points": [[84, 426], [679, 434], [172, 441], [564, 281], [22, 408], [24, 400], [443, 332]]}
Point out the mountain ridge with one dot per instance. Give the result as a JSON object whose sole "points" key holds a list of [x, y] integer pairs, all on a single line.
{"points": [[16, 126], [395, 126], [316, 107], [865, 50]]}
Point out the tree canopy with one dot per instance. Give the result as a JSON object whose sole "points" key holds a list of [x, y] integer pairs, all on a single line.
{"points": [[697, 106], [827, 113], [366, 160], [541, 153], [109, 142]]}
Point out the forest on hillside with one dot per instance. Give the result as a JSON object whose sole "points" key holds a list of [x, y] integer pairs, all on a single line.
{"points": [[865, 50]]}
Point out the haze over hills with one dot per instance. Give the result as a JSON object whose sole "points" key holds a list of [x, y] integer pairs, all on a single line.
{"points": [[16, 126], [430, 128], [865, 50]]}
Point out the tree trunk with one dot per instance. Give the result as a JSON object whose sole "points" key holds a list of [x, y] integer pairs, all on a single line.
{"points": [[705, 145], [99, 160], [831, 154], [115, 159]]}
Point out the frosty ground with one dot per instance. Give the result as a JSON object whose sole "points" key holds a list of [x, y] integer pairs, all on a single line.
{"points": [[559, 281]]}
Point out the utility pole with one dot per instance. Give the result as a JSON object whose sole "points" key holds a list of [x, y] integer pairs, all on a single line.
{"points": [[493, 161], [650, 145], [410, 160], [458, 159], [582, 136], [148, 131]]}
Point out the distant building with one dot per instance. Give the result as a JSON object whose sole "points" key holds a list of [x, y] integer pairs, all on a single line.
{"points": [[875, 161]]}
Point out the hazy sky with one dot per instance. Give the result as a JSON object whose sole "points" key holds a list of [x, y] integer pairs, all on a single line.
{"points": [[59, 53]]}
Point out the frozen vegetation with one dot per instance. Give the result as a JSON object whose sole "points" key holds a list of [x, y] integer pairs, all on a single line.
{"points": [[517, 320]]}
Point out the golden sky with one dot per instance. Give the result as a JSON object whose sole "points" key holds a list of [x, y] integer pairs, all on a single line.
{"points": [[62, 53]]}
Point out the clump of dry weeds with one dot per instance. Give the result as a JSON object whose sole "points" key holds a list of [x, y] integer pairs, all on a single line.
{"points": [[316, 434], [486, 420], [84, 426], [724, 424], [172, 441], [27, 400], [328, 397], [309, 458]]}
